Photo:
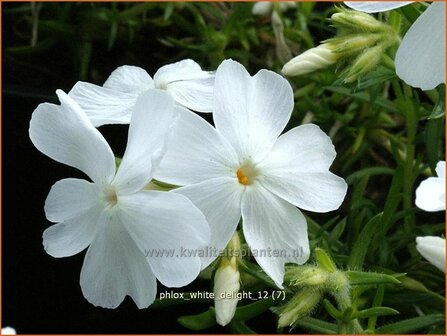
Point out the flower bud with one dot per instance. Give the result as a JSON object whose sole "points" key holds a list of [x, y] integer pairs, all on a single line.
{"points": [[299, 306], [302, 276], [357, 22], [364, 63], [354, 43], [313, 59], [226, 288]]}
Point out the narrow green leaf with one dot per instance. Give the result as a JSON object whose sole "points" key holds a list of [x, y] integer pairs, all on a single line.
{"points": [[360, 248], [252, 310], [363, 96], [377, 302], [324, 260], [370, 278], [375, 311], [334, 312], [371, 171], [411, 325], [200, 321], [316, 325]]}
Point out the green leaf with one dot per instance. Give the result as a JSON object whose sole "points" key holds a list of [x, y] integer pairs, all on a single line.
{"points": [[324, 260], [370, 278], [371, 171], [200, 321], [334, 312], [375, 311], [316, 325], [411, 325], [360, 248], [364, 96], [377, 302], [410, 12]]}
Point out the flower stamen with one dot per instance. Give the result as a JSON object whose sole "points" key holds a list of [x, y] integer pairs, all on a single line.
{"points": [[111, 197], [243, 179]]}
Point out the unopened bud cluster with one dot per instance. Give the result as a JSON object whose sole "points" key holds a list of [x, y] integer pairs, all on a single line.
{"points": [[360, 43], [311, 284]]}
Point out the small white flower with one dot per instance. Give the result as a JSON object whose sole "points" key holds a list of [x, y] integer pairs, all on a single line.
{"points": [[114, 217], [8, 331], [420, 59], [432, 249], [226, 288], [266, 7], [244, 169], [430, 195], [112, 103], [312, 59]]}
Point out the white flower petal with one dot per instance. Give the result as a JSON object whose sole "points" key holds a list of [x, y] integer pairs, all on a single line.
{"points": [[375, 6], [196, 152], [275, 230], [420, 59], [73, 235], [164, 226], [432, 249], [151, 119], [440, 169], [250, 112], [195, 94], [8, 331], [430, 195], [180, 71], [114, 267], [219, 199], [66, 135], [103, 105], [297, 170], [129, 79], [69, 198]]}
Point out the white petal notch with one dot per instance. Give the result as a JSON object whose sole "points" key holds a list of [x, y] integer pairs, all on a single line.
{"points": [[113, 103], [131, 234], [247, 170]]}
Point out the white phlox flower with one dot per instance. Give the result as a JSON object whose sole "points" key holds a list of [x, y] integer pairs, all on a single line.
{"points": [[8, 331], [266, 7], [420, 59], [432, 249], [112, 103], [247, 169], [122, 224], [430, 195]]}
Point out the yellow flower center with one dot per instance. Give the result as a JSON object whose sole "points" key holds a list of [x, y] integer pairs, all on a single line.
{"points": [[243, 179], [247, 174], [110, 197]]}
